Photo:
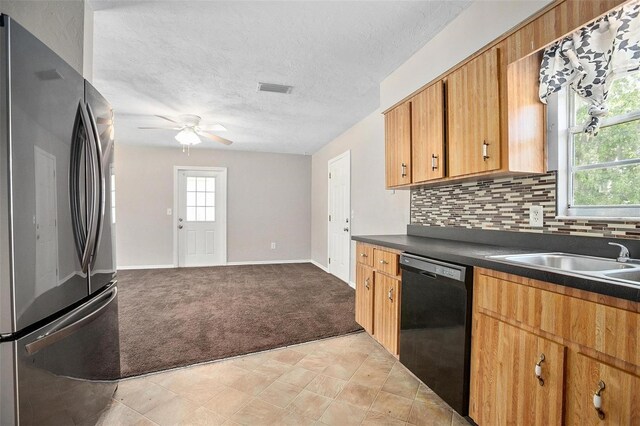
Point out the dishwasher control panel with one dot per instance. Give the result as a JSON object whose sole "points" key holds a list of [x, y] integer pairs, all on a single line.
{"points": [[432, 266]]}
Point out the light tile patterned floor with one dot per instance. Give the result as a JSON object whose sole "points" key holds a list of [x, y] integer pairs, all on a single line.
{"points": [[349, 380]]}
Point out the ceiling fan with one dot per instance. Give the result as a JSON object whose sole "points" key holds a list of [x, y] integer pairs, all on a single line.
{"points": [[190, 131]]}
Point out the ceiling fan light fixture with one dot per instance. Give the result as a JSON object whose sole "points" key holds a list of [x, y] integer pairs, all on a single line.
{"points": [[188, 136]]}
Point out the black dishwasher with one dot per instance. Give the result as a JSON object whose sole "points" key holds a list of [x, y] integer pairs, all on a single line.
{"points": [[435, 326]]}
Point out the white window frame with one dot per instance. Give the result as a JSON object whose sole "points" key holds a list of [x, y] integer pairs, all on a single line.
{"points": [[561, 131]]}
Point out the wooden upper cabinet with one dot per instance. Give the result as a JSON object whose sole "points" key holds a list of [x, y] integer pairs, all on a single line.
{"points": [[397, 129], [504, 389], [427, 134], [473, 117]]}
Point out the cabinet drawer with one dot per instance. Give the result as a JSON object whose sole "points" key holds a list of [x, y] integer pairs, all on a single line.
{"points": [[386, 262], [579, 321], [620, 397], [364, 254]]}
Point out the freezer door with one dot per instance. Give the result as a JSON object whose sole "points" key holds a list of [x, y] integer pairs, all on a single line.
{"points": [[103, 263], [65, 370], [44, 96], [8, 411]]}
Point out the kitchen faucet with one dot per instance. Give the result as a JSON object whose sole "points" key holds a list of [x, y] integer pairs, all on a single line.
{"points": [[623, 257]]}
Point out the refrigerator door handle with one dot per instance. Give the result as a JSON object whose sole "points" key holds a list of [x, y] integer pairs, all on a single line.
{"points": [[98, 186], [96, 307], [94, 202], [80, 232]]}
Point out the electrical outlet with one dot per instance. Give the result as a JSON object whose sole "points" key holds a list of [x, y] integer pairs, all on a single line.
{"points": [[273, 246], [536, 216]]}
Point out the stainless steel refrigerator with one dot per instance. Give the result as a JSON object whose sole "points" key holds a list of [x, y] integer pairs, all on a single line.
{"points": [[59, 349]]}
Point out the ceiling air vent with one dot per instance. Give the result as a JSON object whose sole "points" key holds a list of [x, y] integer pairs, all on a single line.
{"points": [[275, 88]]}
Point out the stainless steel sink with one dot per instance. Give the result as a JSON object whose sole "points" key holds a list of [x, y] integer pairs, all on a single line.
{"points": [[567, 262], [631, 275]]}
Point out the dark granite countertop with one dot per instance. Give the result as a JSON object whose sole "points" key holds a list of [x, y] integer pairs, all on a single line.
{"points": [[475, 254]]}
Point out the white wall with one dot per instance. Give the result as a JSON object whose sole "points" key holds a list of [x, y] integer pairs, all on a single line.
{"points": [[268, 200], [374, 209], [87, 45], [482, 22], [57, 23]]}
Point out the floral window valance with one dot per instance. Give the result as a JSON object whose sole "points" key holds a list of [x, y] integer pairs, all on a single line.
{"points": [[590, 58]]}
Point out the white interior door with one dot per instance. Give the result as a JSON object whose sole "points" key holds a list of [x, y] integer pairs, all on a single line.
{"points": [[339, 226], [46, 221], [201, 218]]}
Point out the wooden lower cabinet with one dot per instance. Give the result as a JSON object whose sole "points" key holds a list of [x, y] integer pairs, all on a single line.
{"points": [[364, 254], [364, 297], [504, 389], [585, 338], [620, 396], [387, 313], [378, 294]]}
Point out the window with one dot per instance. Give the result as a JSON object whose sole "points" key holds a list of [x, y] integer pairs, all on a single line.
{"points": [[201, 199], [603, 171]]}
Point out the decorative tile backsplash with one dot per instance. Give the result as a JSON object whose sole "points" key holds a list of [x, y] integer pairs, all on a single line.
{"points": [[503, 204]]}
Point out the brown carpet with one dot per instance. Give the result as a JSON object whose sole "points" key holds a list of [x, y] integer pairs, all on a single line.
{"points": [[176, 317]]}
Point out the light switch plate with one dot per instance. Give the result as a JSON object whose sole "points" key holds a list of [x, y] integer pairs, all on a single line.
{"points": [[169, 212], [536, 219]]}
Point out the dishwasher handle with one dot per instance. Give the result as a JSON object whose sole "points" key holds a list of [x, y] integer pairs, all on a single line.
{"points": [[428, 274], [432, 268]]}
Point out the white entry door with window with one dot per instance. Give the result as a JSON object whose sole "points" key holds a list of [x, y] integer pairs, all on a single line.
{"points": [[201, 217], [339, 226]]}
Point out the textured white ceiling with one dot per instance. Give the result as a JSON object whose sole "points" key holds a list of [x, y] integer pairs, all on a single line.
{"points": [[206, 58]]}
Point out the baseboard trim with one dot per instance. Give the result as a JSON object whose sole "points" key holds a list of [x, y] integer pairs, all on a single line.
{"points": [[352, 285], [266, 262], [250, 262], [324, 268], [122, 268]]}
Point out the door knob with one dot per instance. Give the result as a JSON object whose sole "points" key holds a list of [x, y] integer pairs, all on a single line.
{"points": [[179, 226], [346, 229]]}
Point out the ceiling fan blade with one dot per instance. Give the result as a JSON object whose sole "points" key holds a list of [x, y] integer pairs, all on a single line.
{"points": [[164, 117], [160, 128], [213, 128], [215, 138]]}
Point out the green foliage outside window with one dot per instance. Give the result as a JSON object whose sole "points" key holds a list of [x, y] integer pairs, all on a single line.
{"points": [[609, 184]]}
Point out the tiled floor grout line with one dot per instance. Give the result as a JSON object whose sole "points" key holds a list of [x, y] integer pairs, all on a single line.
{"points": [[133, 409], [378, 392], [344, 354], [236, 357], [346, 382]]}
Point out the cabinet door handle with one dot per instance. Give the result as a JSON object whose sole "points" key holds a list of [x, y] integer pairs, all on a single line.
{"points": [[597, 400], [384, 262], [363, 255], [390, 294], [434, 162], [404, 169], [366, 283], [538, 370], [485, 151]]}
